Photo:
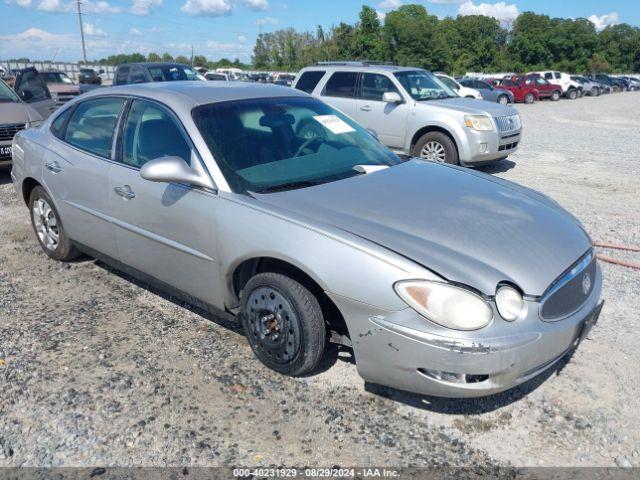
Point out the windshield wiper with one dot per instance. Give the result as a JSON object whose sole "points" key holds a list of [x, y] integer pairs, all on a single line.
{"points": [[288, 186]]}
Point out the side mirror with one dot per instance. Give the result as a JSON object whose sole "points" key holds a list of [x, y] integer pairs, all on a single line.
{"points": [[391, 97], [174, 170]]}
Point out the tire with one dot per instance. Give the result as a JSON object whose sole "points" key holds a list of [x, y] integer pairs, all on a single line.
{"points": [[616, 89], [595, 92], [529, 98], [503, 100], [572, 94], [470, 96], [48, 228], [436, 146], [555, 96], [283, 323]]}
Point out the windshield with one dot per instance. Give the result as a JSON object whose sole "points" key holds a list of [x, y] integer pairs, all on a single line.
{"points": [[423, 85], [169, 73], [271, 144], [6, 94], [56, 77]]}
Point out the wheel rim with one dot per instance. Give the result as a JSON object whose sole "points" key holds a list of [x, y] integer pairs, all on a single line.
{"points": [[528, 98], [273, 325], [46, 224], [503, 100], [434, 151]]}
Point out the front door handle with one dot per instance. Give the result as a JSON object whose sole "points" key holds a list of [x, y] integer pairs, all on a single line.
{"points": [[125, 192], [365, 108], [53, 167]]}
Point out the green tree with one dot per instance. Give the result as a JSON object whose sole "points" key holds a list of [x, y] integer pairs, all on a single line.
{"points": [[367, 40], [167, 57], [153, 57]]}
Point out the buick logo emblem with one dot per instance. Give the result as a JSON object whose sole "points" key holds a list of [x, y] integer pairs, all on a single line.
{"points": [[586, 283]]}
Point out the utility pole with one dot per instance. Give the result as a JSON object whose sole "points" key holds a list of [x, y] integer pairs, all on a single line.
{"points": [[192, 54], [84, 50]]}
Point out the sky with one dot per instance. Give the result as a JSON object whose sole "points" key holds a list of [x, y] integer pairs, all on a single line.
{"points": [[49, 29]]}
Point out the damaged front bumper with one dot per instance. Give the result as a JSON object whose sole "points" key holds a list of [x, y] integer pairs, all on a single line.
{"points": [[401, 349]]}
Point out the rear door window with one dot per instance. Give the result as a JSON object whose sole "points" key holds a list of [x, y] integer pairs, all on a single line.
{"points": [[548, 75], [137, 75], [92, 125], [123, 75], [309, 80], [342, 84], [59, 124]]}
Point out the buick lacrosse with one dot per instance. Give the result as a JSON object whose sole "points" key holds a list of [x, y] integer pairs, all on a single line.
{"points": [[264, 203]]}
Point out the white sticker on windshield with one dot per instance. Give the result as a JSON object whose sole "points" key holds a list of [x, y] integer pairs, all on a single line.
{"points": [[334, 124]]}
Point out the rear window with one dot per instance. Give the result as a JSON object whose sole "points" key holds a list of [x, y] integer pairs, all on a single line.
{"points": [[309, 80], [342, 84], [122, 76]]}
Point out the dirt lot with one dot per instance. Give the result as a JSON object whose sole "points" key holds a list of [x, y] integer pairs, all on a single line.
{"points": [[95, 369]]}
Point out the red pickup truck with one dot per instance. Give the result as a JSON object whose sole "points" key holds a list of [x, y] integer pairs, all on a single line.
{"points": [[529, 88]]}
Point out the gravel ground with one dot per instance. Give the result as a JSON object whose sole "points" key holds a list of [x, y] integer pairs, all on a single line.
{"points": [[96, 369]]}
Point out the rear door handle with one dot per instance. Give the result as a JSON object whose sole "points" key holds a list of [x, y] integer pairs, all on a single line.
{"points": [[365, 108], [53, 167], [125, 192]]}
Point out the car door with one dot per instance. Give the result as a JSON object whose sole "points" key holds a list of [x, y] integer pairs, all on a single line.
{"points": [[164, 230], [76, 172], [32, 89], [340, 92], [388, 120]]}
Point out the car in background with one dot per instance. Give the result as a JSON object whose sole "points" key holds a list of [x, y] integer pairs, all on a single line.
{"points": [[545, 88], [62, 88], [89, 76], [633, 83], [571, 89], [460, 89], [614, 84], [216, 76], [32, 89], [442, 281], [413, 112], [589, 87], [489, 92], [522, 92], [284, 79], [129, 73], [15, 115]]}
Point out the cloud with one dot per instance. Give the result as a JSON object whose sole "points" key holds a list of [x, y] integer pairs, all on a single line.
{"points": [[261, 22], [143, 7], [446, 2], [501, 11], [242, 38], [256, 4], [207, 8], [92, 30], [36, 40], [70, 6], [135, 32], [20, 3], [603, 21], [381, 16], [389, 4]]}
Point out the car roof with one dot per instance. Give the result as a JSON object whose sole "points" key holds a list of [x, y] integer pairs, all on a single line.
{"points": [[154, 64], [183, 96], [363, 68]]}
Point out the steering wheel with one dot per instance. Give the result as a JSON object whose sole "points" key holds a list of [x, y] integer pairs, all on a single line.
{"points": [[306, 143]]}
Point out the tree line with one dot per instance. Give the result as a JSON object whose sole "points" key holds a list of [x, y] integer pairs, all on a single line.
{"points": [[410, 36]]}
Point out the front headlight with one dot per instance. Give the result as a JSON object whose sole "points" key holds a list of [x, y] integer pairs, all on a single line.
{"points": [[509, 302], [482, 123], [444, 304]]}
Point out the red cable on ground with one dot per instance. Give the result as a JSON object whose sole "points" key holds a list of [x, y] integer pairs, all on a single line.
{"points": [[615, 246], [618, 262]]}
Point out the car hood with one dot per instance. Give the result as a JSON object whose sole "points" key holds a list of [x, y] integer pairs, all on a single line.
{"points": [[17, 112], [466, 226], [470, 106]]}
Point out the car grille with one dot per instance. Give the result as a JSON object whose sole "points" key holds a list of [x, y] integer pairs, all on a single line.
{"points": [[508, 123], [571, 290], [7, 131]]}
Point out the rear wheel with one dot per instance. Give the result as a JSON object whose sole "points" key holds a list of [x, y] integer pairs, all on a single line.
{"points": [[48, 227], [616, 89], [555, 96], [437, 147], [529, 98], [595, 92], [572, 94], [283, 323], [503, 100]]}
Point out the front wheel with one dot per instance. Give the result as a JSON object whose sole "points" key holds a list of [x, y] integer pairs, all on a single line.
{"points": [[572, 94], [555, 96], [595, 92], [503, 100], [616, 89], [529, 98], [437, 147], [48, 227], [283, 323]]}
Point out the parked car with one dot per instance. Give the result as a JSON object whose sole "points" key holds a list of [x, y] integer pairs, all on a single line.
{"points": [[626, 85], [489, 92], [15, 115], [217, 77], [614, 85], [589, 87], [154, 72], [457, 87], [62, 88], [413, 112], [632, 83], [545, 88], [90, 76], [284, 79], [571, 89], [522, 92], [32, 89], [422, 268]]}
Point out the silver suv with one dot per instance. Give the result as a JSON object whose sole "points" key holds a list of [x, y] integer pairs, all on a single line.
{"points": [[411, 111]]}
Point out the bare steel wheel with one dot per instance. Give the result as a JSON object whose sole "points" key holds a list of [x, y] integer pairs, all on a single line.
{"points": [[48, 227], [437, 147], [284, 324]]}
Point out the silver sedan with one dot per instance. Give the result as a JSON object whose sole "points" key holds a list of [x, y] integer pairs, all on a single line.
{"points": [[262, 203]]}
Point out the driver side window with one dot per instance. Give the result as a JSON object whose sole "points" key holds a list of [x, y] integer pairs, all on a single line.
{"points": [[149, 133]]}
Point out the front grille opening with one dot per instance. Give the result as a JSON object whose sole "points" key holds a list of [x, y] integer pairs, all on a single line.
{"points": [[451, 377], [507, 146]]}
